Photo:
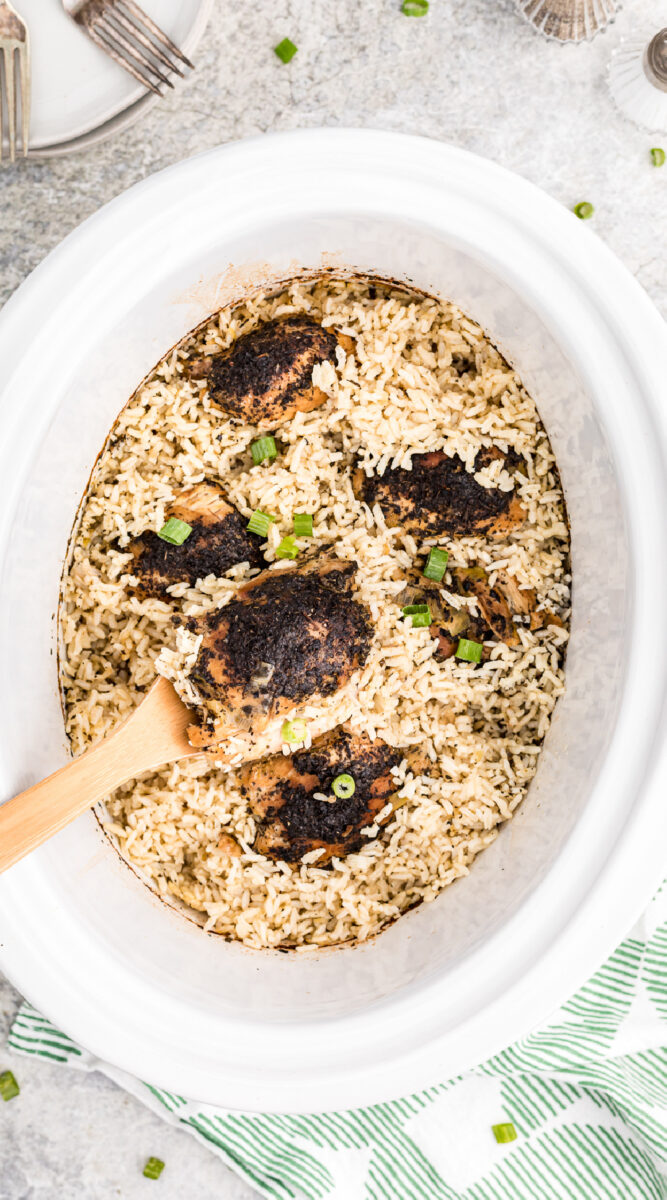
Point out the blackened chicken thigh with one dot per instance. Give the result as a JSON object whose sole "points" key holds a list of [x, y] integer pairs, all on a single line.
{"points": [[438, 495], [267, 374], [294, 804], [218, 541], [289, 636]]}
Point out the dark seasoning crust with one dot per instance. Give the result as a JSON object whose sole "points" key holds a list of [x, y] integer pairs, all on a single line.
{"points": [[218, 539], [263, 377], [307, 626], [293, 822], [205, 552], [439, 496]]}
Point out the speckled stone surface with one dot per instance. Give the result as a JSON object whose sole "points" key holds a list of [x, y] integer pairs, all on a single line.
{"points": [[472, 73]]}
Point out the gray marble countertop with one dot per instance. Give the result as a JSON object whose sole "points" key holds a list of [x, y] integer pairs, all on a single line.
{"points": [[472, 73]]}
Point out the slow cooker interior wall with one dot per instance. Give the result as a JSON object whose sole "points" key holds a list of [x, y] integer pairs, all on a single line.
{"points": [[84, 869]]}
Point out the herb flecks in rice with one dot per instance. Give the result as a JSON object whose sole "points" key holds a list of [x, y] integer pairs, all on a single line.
{"points": [[423, 378]]}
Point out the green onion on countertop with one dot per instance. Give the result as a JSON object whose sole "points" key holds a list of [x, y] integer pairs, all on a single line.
{"points": [[343, 786], [260, 522], [303, 525], [175, 532], [264, 447], [414, 8], [287, 548], [154, 1168], [285, 50], [436, 564], [294, 732], [469, 651], [583, 210], [9, 1088], [658, 156], [505, 1132]]}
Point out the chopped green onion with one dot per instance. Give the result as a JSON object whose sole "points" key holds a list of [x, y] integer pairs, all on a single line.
{"points": [[344, 786], [658, 156], [154, 1168], [175, 532], [420, 613], [8, 1086], [264, 447], [583, 210], [260, 522], [469, 651], [505, 1132], [436, 564], [285, 50], [303, 525], [414, 8], [287, 548], [294, 732]]}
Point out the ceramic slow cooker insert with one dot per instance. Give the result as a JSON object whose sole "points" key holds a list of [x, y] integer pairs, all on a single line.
{"points": [[453, 981]]}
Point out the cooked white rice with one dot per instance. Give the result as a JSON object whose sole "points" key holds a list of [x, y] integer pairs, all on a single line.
{"points": [[481, 728]]}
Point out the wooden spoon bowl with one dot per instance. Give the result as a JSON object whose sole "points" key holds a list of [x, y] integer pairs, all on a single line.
{"points": [[154, 734]]}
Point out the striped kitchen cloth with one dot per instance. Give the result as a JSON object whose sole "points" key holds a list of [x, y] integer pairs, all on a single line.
{"points": [[586, 1094]]}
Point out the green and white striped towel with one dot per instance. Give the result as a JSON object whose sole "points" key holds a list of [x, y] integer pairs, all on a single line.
{"points": [[587, 1095]]}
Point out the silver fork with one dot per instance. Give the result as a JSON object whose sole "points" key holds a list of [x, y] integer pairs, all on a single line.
{"points": [[14, 42], [124, 31]]}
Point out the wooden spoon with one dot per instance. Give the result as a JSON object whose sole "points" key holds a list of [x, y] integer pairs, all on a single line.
{"points": [[154, 734]]}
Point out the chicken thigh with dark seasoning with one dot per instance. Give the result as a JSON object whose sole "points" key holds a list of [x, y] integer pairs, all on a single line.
{"points": [[440, 496], [285, 796], [289, 636], [267, 374], [218, 541]]}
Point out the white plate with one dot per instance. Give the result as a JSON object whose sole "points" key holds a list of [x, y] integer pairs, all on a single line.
{"points": [[76, 88]]}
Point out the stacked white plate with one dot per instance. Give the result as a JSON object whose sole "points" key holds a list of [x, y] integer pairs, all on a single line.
{"points": [[79, 94]]}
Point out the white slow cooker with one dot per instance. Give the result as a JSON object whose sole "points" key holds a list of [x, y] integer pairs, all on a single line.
{"points": [[81, 935]]}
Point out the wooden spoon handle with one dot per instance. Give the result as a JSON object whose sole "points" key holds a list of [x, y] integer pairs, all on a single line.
{"points": [[154, 734]]}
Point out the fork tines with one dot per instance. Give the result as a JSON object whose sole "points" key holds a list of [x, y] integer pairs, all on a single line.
{"points": [[9, 50], [127, 33]]}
